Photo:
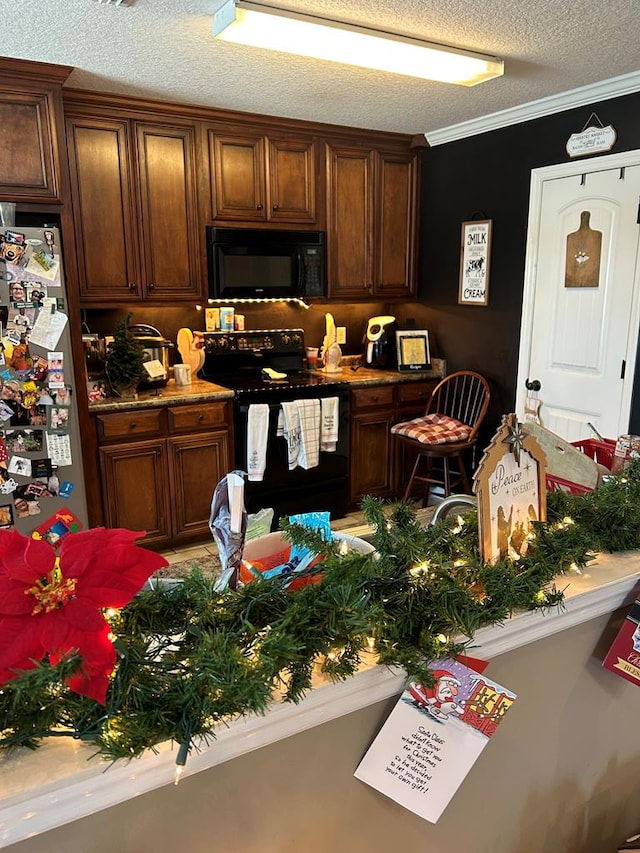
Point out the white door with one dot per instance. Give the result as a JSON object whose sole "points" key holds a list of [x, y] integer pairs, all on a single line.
{"points": [[580, 307]]}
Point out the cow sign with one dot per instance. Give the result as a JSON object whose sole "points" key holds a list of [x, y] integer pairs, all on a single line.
{"points": [[475, 250]]}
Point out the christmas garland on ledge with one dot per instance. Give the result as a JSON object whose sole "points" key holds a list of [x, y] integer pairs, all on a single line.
{"points": [[189, 657]]}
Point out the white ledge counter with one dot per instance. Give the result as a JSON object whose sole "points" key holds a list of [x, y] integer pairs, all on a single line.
{"points": [[61, 782]]}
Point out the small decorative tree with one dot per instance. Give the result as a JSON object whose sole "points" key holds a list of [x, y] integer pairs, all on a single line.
{"points": [[125, 360]]}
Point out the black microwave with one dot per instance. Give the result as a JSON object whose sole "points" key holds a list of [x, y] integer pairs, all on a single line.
{"points": [[248, 262]]}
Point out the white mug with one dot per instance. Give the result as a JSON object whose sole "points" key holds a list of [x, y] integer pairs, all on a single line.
{"points": [[182, 373]]}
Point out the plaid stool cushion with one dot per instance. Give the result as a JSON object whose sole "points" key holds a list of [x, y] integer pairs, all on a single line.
{"points": [[433, 429]]}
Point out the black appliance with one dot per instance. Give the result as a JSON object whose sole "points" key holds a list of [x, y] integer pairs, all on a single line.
{"points": [[380, 342], [247, 262], [235, 360]]}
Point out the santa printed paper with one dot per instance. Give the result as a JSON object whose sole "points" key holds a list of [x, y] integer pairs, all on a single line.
{"points": [[433, 737], [623, 657]]}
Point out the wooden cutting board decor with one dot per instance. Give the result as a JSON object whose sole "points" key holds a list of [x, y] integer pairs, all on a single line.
{"points": [[563, 459], [584, 247]]}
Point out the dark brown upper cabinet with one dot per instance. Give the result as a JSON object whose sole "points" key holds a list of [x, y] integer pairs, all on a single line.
{"points": [[371, 221], [31, 125], [260, 178], [135, 208]]}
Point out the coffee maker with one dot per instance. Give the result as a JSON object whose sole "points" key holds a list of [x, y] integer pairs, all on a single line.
{"points": [[380, 342]]}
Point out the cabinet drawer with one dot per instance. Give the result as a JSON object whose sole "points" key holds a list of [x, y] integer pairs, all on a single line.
{"points": [[206, 415], [414, 392], [379, 395], [131, 424]]}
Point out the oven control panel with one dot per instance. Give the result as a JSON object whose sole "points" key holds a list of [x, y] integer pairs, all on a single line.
{"points": [[265, 340]]}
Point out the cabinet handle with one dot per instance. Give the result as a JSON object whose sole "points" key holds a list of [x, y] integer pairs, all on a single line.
{"points": [[201, 417], [275, 207], [375, 399], [259, 206], [132, 285], [132, 425], [150, 286]]}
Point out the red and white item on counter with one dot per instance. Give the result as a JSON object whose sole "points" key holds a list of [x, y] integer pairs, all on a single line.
{"points": [[627, 448]]}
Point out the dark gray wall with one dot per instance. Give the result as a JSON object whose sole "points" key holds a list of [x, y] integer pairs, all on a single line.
{"points": [[490, 175]]}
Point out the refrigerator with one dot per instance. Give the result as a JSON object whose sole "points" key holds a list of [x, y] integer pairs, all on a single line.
{"points": [[41, 473]]}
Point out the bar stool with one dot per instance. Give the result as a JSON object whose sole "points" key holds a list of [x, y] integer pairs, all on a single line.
{"points": [[447, 430]]}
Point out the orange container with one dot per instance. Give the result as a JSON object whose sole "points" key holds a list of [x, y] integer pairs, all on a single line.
{"points": [[267, 552]]}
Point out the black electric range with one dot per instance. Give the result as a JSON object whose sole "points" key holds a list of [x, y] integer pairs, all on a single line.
{"points": [[236, 360]]}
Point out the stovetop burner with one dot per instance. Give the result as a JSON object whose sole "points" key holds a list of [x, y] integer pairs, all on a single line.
{"points": [[236, 360], [244, 383]]}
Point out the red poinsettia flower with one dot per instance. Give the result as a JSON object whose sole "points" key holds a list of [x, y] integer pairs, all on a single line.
{"points": [[53, 605]]}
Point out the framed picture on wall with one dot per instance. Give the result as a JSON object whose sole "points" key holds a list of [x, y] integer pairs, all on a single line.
{"points": [[475, 256]]}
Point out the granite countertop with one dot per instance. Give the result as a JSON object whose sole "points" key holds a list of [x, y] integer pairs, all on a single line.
{"points": [[357, 376], [351, 373], [197, 391]]}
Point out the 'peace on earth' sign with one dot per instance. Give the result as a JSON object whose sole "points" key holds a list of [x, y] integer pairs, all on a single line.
{"points": [[511, 489]]}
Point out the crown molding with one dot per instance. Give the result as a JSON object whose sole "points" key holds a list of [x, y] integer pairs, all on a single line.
{"points": [[626, 84]]}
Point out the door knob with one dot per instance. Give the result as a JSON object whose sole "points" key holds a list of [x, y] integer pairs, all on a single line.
{"points": [[533, 384]]}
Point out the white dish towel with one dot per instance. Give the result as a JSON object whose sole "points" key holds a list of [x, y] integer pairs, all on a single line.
{"points": [[289, 427], [329, 424], [257, 432], [309, 411]]}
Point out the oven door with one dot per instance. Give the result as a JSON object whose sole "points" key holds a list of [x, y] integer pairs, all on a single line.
{"points": [[318, 489]]}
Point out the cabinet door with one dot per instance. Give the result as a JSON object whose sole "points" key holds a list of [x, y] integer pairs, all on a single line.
{"points": [[135, 488], [371, 466], [170, 242], [349, 222], [103, 209], [197, 464], [396, 215], [238, 177], [30, 126], [292, 180], [27, 168], [413, 398]]}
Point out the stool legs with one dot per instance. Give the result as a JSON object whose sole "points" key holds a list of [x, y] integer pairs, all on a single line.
{"points": [[448, 475], [407, 491]]}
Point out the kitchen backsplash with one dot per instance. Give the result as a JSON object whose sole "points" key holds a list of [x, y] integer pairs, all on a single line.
{"points": [[353, 316]]}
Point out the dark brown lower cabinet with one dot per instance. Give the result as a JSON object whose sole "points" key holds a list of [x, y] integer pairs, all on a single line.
{"points": [[371, 465], [163, 485], [135, 489], [196, 464], [378, 466], [411, 402]]}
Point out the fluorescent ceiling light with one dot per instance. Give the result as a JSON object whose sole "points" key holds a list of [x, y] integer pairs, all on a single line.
{"points": [[257, 25]]}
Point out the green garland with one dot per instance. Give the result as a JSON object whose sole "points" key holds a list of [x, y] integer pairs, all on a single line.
{"points": [[190, 657]]}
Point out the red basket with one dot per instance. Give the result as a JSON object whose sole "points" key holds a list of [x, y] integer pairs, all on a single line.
{"points": [[600, 451], [557, 484]]}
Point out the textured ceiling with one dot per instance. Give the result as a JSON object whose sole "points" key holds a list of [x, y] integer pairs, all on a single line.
{"points": [[164, 49]]}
